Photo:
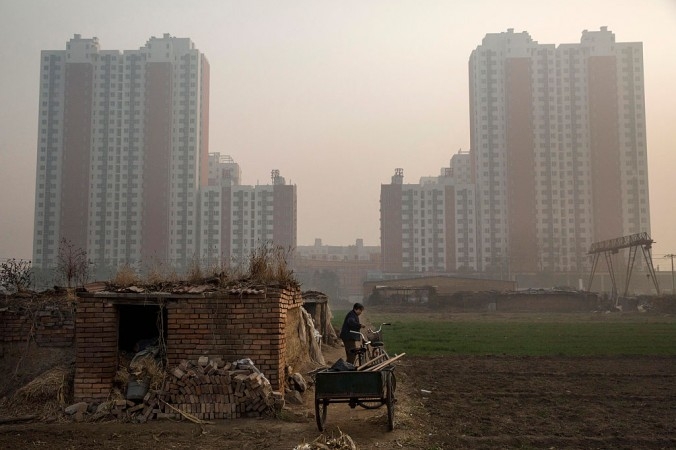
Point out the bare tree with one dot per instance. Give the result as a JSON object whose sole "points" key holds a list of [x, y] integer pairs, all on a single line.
{"points": [[16, 274], [72, 264]]}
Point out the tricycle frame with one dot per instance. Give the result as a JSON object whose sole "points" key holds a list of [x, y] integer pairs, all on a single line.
{"points": [[370, 389]]}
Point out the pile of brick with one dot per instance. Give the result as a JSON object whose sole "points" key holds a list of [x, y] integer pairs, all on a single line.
{"points": [[204, 390], [213, 389]]}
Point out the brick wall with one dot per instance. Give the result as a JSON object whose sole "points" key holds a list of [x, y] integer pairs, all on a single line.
{"points": [[240, 324], [48, 324], [95, 348]]}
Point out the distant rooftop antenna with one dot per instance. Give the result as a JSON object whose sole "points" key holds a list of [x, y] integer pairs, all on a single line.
{"points": [[398, 177], [277, 178]]}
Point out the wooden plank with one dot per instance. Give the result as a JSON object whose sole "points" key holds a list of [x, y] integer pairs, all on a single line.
{"points": [[377, 360], [384, 363]]}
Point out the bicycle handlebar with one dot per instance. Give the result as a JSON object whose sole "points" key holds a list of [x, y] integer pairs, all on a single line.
{"points": [[363, 338], [379, 329], [369, 330]]}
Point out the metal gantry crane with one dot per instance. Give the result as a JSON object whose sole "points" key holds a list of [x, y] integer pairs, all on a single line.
{"points": [[612, 246], [672, 256]]}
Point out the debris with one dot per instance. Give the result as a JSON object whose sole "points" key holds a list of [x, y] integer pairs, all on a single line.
{"points": [[324, 442], [278, 400], [72, 409], [294, 397], [134, 290], [190, 417], [200, 391], [136, 390], [298, 382]]}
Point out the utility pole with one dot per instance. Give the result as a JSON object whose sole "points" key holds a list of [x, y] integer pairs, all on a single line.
{"points": [[671, 255]]}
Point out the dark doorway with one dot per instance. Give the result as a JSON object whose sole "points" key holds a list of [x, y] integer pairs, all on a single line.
{"points": [[141, 326]]}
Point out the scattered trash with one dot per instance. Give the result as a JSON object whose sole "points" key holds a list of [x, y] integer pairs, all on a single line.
{"points": [[324, 442]]}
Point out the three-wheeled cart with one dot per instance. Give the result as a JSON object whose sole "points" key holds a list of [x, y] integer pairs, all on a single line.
{"points": [[368, 389]]}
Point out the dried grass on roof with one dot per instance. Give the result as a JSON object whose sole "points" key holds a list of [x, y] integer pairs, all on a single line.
{"points": [[125, 276]]}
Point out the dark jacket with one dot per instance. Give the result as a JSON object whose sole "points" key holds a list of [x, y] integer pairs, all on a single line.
{"points": [[351, 323]]}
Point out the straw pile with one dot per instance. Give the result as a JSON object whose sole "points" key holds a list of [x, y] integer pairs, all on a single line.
{"points": [[148, 369], [53, 385]]}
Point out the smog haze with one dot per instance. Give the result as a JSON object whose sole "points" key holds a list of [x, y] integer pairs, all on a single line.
{"points": [[335, 95]]}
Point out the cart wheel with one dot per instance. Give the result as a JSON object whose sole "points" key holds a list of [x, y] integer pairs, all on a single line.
{"points": [[320, 416], [370, 404], [391, 384]]}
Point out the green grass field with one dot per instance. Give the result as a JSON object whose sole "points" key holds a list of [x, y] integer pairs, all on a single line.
{"points": [[525, 334]]}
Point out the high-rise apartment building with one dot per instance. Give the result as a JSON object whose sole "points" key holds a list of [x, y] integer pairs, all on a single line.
{"points": [[237, 220], [122, 151], [558, 160], [430, 226], [124, 171], [558, 146]]}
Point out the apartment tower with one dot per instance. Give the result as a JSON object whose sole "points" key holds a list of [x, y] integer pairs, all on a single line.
{"points": [[558, 148], [430, 226], [237, 220], [122, 151], [557, 161]]}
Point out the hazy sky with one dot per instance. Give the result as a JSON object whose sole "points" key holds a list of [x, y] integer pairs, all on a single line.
{"points": [[334, 94]]}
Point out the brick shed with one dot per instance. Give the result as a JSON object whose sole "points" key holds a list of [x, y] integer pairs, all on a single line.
{"points": [[234, 324]]}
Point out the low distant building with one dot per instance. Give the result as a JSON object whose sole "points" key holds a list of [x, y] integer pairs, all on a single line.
{"points": [[422, 289], [320, 266]]}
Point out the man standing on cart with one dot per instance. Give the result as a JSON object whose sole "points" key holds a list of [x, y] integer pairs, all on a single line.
{"points": [[351, 323]]}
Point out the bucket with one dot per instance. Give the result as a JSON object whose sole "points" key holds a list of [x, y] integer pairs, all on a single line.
{"points": [[136, 390]]}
